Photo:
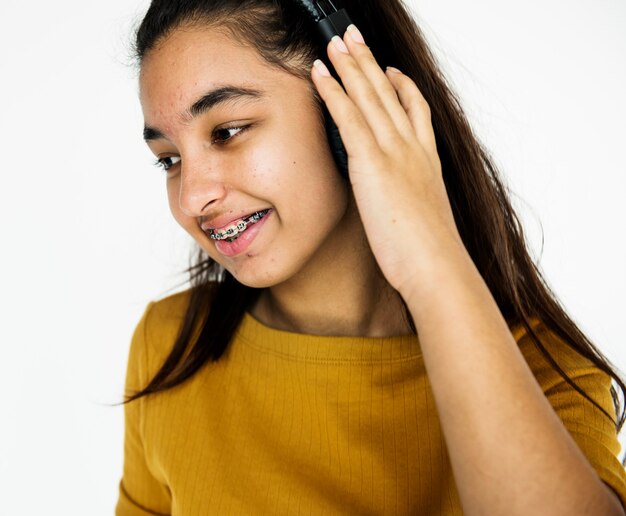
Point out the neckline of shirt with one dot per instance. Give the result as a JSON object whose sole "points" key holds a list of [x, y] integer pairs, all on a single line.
{"points": [[326, 348]]}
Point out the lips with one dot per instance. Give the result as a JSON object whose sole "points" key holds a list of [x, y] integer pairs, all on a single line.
{"points": [[237, 246], [224, 221], [241, 225]]}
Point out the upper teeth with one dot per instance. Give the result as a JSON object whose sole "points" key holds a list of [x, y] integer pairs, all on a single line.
{"points": [[237, 228]]}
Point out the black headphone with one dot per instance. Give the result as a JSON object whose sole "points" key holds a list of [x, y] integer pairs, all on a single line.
{"points": [[329, 19]]}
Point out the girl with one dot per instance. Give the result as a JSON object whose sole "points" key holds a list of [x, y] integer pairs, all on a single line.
{"points": [[365, 331]]}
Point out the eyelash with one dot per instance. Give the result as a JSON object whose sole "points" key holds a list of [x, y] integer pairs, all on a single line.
{"points": [[165, 163]]}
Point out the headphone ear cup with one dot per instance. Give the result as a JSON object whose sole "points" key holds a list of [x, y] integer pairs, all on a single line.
{"points": [[336, 144]]}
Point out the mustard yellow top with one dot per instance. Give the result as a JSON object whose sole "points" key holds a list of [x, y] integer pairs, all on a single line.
{"points": [[286, 423]]}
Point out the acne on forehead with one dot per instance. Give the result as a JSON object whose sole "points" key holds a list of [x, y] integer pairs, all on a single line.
{"points": [[189, 63], [190, 60], [204, 44]]}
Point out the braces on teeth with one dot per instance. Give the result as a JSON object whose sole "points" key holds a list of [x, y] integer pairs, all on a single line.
{"points": [[239, 228]]}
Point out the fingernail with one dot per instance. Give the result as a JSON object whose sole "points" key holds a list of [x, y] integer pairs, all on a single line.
{"points": [[321, 68], [394, 70], [341, 46], [355, 34]]}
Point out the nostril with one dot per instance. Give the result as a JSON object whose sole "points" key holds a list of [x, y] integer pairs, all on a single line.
{"points": [[198, 195], [208, 204]]}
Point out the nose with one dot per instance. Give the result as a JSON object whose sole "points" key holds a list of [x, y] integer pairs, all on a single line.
{"points": [[201, 186]]}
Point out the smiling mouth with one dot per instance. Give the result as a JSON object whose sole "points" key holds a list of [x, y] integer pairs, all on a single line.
{"points": [[233, 232]]}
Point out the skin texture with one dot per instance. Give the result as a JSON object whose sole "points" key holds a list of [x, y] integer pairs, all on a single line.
{"points": [[481, 382], [309, 249], [398, 223]]}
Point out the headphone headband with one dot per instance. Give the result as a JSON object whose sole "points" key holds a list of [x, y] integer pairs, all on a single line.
{"points": [[329, 16], [330, 19]]}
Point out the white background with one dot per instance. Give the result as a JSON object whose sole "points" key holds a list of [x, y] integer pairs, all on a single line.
{"points": [[87, 239]]}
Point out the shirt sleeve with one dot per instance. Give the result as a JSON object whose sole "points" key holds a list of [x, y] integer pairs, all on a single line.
{"points": [[593, 431], [140, 493]]}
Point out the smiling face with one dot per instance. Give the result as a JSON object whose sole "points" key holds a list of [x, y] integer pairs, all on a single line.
{"points": [[231, 153]]}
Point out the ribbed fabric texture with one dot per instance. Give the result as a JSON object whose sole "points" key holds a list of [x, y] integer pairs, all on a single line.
{"points": [[286, 423]]}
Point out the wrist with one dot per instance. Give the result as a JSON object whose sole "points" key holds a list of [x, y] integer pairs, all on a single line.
{"points": [[438, 266]]}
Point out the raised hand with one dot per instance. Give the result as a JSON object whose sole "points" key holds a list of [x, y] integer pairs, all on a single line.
{"points": [[394, 168]]}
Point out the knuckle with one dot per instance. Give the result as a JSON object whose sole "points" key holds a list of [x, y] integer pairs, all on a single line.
{"points": [[353, 117], [420, 102], [364, 53], [371, 96], [365, 58], [425, 107], [392, 145], [388, 89]]}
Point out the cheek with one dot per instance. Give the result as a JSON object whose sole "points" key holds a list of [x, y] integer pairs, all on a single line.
{"points": [[294, 165]]}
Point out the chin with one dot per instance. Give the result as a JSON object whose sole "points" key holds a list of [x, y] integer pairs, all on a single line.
{"points": [[255, 281], [261, 277]]}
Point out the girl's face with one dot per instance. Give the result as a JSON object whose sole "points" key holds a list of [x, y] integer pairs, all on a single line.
{"points": [[232, 153]]}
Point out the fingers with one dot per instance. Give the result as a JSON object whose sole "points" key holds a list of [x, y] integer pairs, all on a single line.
{"points": [[416, 108], [361, 92], [390, 105], [376, 82], [353, 128]]}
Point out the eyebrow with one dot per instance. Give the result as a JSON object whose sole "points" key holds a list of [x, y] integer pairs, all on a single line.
{"points": [[209, 100]]}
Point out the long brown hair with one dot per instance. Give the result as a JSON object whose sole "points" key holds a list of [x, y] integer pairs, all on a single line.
{"points": [[487, 223]]}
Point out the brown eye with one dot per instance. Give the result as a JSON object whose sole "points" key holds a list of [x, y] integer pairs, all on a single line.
{"points": [[222, 135], [167, 162]]}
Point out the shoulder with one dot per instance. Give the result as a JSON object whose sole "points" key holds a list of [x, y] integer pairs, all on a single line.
{"points": [[168, 312], [580, 369], [563, 351], [161, 324]]}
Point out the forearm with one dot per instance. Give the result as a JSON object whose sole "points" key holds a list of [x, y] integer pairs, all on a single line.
{"points": [[510, 453]]}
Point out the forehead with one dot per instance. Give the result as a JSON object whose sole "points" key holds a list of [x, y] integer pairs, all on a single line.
{"points": [[192, 61]]}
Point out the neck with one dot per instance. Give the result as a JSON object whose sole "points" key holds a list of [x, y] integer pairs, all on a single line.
{"points": [[341, 292]]}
